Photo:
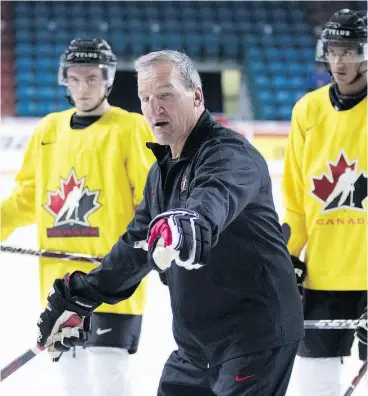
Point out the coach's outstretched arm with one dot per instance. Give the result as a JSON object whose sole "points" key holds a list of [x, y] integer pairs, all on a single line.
{"points": [[226, 180]]}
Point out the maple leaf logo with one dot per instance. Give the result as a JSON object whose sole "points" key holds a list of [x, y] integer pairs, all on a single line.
{"points": [[73, 202], [342, 187]]}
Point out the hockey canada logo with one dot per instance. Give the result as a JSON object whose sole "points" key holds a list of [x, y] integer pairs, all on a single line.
{"points": [[344, 186], [183, 184], [70, 206]]}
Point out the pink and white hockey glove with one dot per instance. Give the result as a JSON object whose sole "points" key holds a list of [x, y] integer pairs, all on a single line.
{"points": [[179, 236]]}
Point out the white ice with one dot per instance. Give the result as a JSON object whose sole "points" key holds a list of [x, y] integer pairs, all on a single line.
{"points": [[20, 308]]}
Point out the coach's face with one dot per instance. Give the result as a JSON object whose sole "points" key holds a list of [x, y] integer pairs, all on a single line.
{"points": [[170, 108]]}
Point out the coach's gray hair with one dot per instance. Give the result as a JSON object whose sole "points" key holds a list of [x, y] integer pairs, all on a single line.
{"points": [[188, 71]]}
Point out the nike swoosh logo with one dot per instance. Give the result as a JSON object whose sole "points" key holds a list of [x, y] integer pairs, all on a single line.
{"points": [[104, 331], [45, 143], [241, 379], [313, 126]]}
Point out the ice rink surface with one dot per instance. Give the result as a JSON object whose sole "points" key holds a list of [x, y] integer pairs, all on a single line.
{"points": [[20, 308]]}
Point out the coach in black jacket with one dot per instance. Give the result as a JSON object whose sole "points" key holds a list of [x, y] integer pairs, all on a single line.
{"points": [[209, 224]]}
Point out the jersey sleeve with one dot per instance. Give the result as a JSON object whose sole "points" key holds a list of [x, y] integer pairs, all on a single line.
{"points": [[18, 209], [139, 158], [293, 184]]}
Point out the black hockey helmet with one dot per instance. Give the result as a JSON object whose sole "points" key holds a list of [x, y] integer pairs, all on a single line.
{"points": [[88, 52], [346, 28]]}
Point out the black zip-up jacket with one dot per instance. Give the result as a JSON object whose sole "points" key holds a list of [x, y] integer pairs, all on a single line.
{"points": [[246, 299]]}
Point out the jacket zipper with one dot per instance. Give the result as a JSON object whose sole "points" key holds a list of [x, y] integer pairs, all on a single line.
{"points": [[175, 312]]}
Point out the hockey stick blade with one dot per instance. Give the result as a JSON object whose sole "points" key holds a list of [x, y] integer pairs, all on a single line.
{"points": [[357, 379], [20, 361], [52, 254], [334, 324]]}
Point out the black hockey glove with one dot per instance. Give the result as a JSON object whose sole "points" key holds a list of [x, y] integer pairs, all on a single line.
{"points": [[66, 320], [179, 235], [300, 270], [362, 329]]}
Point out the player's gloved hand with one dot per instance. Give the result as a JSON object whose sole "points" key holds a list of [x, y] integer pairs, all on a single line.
{"points": [[362, 329], [300, 270], [66, 320], [179, 235]]}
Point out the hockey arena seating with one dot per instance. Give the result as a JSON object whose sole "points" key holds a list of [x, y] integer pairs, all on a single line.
{"points": [[271, 41]]}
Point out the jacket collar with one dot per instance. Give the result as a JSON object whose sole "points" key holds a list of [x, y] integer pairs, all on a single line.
{"points": [[193, 142]]}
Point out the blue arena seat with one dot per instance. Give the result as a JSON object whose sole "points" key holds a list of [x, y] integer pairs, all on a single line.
{"points": [[260, 36]]}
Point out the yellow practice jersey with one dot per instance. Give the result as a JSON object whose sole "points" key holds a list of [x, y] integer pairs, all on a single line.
{"points": [[81, 188], [325, 191]]}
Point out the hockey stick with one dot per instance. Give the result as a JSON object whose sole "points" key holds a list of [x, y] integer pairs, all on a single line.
{"points": [[52, 254], [357, 379], [310, 324], [335, 324], [20, 361]]}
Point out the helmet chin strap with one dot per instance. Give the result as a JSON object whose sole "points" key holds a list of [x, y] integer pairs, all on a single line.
{"points": [[358, 75], [355, 79]]}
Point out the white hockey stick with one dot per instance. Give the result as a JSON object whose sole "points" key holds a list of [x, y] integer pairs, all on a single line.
{"points": [[334, 324]]}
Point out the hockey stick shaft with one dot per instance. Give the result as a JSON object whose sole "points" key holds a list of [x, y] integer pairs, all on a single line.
{"points": [[52, 254], [334, 324], [20, 361], [357, 379], [310, 324]]}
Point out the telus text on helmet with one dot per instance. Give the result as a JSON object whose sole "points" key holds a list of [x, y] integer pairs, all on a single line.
{"points": [[86, 55], [338, 32], [80, 55]]}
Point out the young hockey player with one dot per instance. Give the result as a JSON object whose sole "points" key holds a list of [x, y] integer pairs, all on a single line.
{"points": [[82, 178], [325, 190]]}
